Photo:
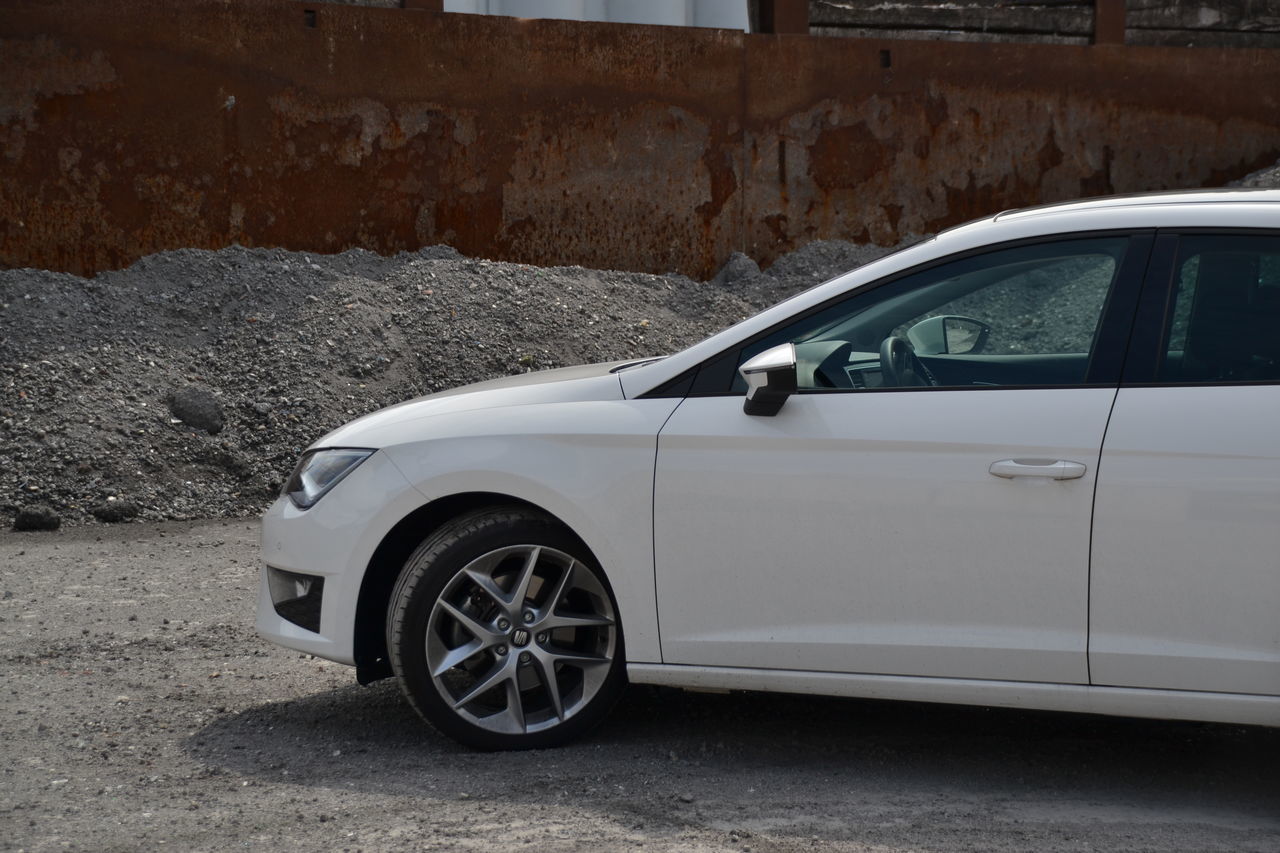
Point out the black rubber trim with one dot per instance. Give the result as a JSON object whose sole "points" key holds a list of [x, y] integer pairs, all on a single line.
{"points": [[1216, 383], [939, 388], [715, 376], [672, 388], [639, 362], [1116, 324], [1144, 354]]}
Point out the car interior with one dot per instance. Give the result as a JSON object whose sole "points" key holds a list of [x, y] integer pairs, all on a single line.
{"points": [[1226, 318], [985, 327]]}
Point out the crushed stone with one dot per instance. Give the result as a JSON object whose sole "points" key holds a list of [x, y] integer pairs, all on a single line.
{"points": [[1265, 178], [186, 385]]}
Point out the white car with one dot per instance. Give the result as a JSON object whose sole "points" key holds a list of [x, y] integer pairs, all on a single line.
{"points": [[1031, 462]]}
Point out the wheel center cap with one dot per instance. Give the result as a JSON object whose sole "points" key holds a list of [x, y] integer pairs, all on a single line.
{"points": [[520, 637]]}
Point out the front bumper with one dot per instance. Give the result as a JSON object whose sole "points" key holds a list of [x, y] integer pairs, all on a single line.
{"points": [[328, 548]]}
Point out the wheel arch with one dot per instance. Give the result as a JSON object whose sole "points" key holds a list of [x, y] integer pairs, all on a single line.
{"points": [[369, 641]]}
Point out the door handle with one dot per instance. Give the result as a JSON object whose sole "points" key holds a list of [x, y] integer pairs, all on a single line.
{"points": [[1059, 469]]}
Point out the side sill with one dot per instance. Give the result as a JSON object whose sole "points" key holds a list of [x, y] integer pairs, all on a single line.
{"points": [[1114, 701]]}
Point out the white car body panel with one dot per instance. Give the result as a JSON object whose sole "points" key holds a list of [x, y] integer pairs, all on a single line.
{"points": [[1186, 541], [865, 533], [570, 445], [335, 540], [405, 422], [590, 464]]}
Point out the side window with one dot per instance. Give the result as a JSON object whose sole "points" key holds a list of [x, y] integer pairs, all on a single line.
{"points": [[1052, 307], [1224, 318], [1013, 317]]}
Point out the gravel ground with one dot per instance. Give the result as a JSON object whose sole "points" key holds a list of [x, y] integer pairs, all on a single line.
{"points": [[186, 385], [140, 711]]}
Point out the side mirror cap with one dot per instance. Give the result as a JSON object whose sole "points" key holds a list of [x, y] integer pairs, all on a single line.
{"points": [[771, 379]]}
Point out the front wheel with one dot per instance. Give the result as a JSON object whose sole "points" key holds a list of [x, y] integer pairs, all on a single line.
{"points": [[504, 632]]}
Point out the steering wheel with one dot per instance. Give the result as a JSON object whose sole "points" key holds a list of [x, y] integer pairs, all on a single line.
{"points": [[900, 367]]}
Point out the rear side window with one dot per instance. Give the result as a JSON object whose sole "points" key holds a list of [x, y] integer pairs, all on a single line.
{"points": [[1224, 318]]}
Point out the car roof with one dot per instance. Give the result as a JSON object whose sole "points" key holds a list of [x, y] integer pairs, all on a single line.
{"points": [[1146, 200]]}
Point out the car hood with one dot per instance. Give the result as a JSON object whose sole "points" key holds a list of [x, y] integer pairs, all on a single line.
{"points": [[563, 385]]}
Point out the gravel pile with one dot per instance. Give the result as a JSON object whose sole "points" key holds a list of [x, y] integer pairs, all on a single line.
{"points": [[1266, 178], [186, 385]]}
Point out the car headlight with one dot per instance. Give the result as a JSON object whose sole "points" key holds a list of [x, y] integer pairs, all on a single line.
{"points": [[318, 471]]}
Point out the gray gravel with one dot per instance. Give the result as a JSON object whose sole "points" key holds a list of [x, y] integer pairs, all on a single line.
{"points": [[141, 712], [186, 385], [1265, 178]]}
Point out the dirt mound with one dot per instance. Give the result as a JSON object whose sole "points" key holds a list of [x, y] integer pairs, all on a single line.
{"points": [[186, 385]]}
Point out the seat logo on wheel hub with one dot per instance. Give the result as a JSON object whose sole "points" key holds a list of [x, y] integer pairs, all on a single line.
{"points": [[520, 637]]}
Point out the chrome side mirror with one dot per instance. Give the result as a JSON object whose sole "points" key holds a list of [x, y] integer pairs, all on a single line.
{"points": [[771, 379]]}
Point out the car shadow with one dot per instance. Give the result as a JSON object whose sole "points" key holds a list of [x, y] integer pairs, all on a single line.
{"points": [[710, 753]]}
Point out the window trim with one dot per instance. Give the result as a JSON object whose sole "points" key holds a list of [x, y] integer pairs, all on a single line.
{"points": [[1111, 343]]}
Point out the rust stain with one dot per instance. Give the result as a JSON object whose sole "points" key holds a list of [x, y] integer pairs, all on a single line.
{"points": [[131, 126], [961, 131], [36, 70], [847, 157]]}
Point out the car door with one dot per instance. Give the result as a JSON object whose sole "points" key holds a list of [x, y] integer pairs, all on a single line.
{"points": [[1186, 545], [875, 526]]}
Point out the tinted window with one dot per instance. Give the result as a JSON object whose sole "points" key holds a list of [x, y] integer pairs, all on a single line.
{"points": [[1050, 306], [1224, 319], [1022, 316]]}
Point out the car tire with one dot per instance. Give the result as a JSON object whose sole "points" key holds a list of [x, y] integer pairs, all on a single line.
{"points": [[503, 632]]}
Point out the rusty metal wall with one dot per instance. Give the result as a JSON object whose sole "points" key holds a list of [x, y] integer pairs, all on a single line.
{"points": [[131, 126], [873, 140]]}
